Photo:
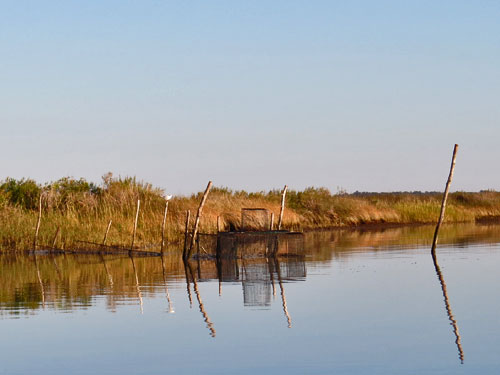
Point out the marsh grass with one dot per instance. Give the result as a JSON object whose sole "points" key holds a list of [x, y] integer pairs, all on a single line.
{"points": [[82, 210]]}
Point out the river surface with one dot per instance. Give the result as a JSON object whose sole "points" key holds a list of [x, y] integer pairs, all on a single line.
{"points": [[356, 302]]}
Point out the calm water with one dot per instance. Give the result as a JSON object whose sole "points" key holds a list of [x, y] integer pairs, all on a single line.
{"points": [[358, 302]]}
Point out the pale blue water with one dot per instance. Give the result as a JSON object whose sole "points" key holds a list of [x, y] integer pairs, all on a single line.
{"points": [[358, 309]]}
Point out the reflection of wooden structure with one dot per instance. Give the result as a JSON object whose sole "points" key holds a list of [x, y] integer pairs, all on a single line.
{"points": [[448, 308], [259, 244]]}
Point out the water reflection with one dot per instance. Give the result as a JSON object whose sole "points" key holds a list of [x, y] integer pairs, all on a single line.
{"points": [[167, 293], [206, 318], [355, 290], [448, 307], [137, 286], [72, 282], [42, 289]]}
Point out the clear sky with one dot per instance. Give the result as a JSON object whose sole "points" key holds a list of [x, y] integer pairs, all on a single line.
{"points": [[362, 95]]}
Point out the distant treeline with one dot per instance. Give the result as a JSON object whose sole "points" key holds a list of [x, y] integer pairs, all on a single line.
{"points": [[81, 210]]}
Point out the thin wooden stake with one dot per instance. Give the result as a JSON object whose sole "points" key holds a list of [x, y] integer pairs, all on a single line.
{"points": [[445, 197], [135, 224], [186, 234], [38, 221], [106, 234], [271, 225], [280, 222], [55, 238], [218, 224], [163, 226], [198, 216]]}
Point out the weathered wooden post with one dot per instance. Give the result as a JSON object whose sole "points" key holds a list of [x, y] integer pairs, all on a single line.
{"points": [[198, 216], [445, 197], [186, 234], [218, 224], [135, 224], [271, 225], [37, 228], [106, 234], [55, 238], [280, 222], [163, 226]]}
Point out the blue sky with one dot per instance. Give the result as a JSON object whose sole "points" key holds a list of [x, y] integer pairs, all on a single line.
{"points": [[362, 95]]}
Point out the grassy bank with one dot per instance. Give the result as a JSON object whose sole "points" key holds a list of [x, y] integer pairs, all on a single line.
{"points": [[82, 210]]}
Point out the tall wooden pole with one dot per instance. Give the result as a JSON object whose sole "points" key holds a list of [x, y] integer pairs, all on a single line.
{"points": [[135, 224], [218, 224], [55, 238], [186, 234], [280, 222], [106, 234], [37, 228], [271, 224], [198, 216], [163, 227], [445, 197]]}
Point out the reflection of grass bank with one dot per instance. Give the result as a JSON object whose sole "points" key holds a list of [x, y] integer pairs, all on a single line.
{"points": [[346, 241], [82, 210]]}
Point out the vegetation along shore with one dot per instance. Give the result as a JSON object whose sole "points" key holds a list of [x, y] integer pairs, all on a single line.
{"points": [[76, 212]]}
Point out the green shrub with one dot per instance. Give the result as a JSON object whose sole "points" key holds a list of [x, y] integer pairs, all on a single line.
{"points": [[23, 193]]}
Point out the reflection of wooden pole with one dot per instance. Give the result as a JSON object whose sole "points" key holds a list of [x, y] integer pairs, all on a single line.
{"points": [[218, 264], [198, 216], [139, 294], [445, 197], [170, 307], [55, 265], [280, 222], [271, 224], [271, 275], [110, 278], [186, 234], [188, 286], [283, 297], [163, 227], [42, 289], [206, 318], [135, 224], [448, 308], [37, 228]]}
